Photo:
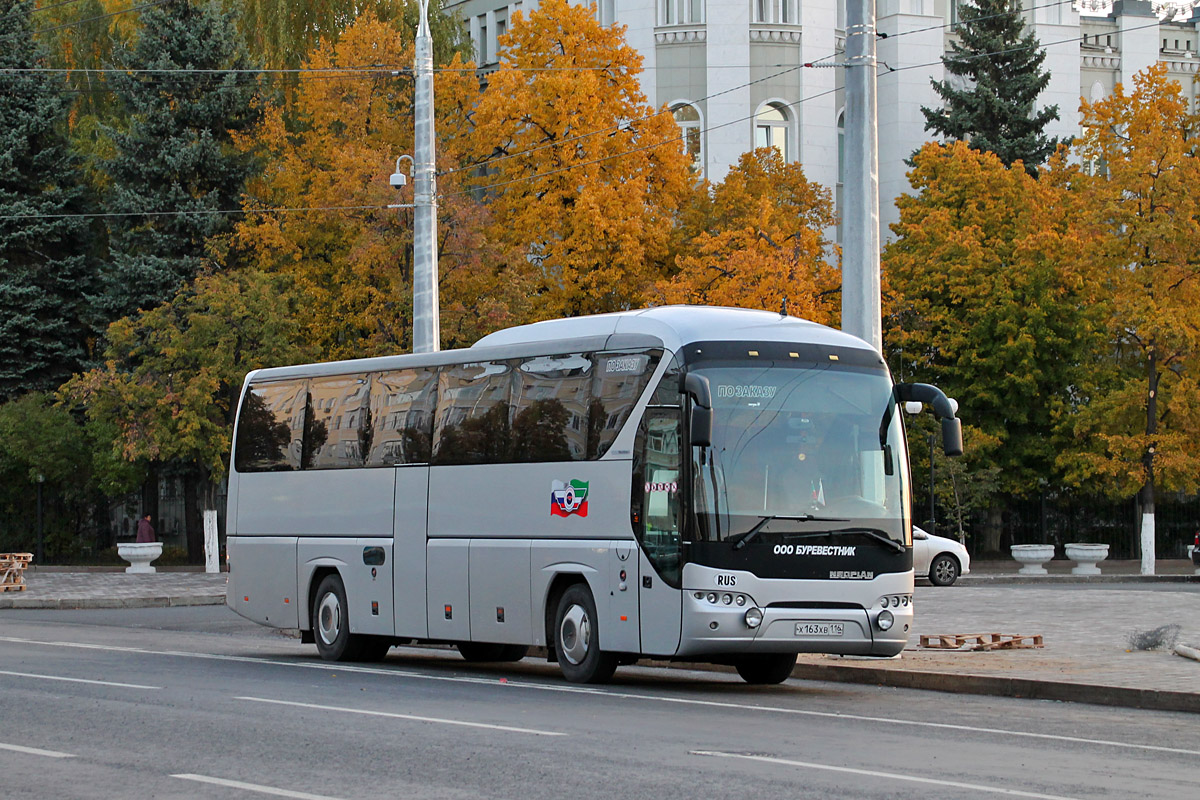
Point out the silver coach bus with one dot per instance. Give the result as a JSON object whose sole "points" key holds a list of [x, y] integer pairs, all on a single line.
{"points": [[690, 483]]}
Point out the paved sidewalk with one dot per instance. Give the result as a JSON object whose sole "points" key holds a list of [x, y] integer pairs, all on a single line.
{"points": [[44, 589], [1085, 627]]}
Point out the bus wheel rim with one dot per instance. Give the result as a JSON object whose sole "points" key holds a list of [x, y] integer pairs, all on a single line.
{"points": [[329, 618], [575, 633]]}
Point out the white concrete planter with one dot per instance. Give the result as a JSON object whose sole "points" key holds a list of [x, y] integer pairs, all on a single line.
{"points": [[1032, 556], [1192, 547], [1086, 557], [139, 555]]}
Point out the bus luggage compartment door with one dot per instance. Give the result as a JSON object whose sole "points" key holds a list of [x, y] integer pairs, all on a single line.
{"points": [[449, 593], [500, 606], [262, 579]]}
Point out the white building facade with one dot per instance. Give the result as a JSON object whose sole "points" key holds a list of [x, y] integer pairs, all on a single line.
{"points": [[740, 74]]}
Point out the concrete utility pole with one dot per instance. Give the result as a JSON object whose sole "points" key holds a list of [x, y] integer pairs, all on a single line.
{"points": [[861, 309], [426, 321]]}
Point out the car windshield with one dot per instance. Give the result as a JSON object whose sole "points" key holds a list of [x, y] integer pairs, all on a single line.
{"points": [[801, 453]]}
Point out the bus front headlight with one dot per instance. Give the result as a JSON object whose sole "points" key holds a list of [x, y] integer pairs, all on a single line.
{"points": [[754, 617], [885, 620]]}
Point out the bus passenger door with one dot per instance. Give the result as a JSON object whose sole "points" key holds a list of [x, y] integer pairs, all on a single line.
{"points": [[661, 604]]}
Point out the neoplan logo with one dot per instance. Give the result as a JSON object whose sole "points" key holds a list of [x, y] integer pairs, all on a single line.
{"points": [[569, 498]]}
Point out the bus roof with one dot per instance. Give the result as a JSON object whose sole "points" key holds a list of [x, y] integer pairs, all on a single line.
{"points": [[677, 326], [671, 327]]}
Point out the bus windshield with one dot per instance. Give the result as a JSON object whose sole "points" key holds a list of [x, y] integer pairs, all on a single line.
{"points": [[801, 454]]}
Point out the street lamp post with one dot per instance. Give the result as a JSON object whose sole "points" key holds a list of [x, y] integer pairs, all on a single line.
{"points": [[426, 322], [40, 538], [861, 313]]}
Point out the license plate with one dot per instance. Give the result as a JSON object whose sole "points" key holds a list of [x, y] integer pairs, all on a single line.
{"points": [[819, 628]]}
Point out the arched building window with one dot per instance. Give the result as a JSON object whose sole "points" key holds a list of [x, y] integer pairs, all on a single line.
{"points": [[771, 128], [687, 117]]}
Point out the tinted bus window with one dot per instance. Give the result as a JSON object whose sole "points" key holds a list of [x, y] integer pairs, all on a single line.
{"points": [[620, 379], [270, 427], [550, 403], [473, 414], [401, 417], [339, 422]]}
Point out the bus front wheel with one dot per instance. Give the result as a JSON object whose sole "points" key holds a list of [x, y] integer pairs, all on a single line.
{"points": [[769, 668], [577, 639]]}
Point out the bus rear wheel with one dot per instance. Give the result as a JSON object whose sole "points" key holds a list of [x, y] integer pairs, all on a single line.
{"points": [[484, 651], [331, 627], [765, 669], [577, 640]]}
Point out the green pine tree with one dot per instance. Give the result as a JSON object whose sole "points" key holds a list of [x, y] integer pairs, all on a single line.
{"points": [[46, 258], [177, 174], [1001, 64]]}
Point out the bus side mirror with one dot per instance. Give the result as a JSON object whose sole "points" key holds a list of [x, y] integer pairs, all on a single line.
{"points": [[698, 390], [943, 408], [952, 443]]}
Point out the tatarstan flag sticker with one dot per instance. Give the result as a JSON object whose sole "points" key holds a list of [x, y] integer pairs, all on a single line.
{"points": [[567, 499]]}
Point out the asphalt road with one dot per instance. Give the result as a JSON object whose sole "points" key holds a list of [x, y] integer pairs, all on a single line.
{"points": [[194, 702]]}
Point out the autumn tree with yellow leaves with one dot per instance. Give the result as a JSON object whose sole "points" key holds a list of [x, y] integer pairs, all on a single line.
{"points": [[349, 256], [994, 303], [1141, 421], [757, 238], [580, 173]]}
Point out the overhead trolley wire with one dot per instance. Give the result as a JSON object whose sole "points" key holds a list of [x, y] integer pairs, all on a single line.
{"points": [[108, 214]]}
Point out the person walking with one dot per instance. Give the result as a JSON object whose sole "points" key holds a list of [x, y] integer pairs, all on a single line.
{"points": [[145, 531]]}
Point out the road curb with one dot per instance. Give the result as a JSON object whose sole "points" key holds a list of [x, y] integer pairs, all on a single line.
{"points": [[1032, 580], [112, 602], [1026, 688]]}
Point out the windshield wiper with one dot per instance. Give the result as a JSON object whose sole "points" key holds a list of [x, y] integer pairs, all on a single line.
{"points": [[876, 535], [763, 521]]}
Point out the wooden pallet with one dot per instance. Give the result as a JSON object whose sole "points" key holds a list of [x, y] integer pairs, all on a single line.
{"points": [[12, 571], [981, 641]]}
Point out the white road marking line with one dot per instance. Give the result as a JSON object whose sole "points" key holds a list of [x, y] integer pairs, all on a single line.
{"points": [[894, 776], [77, 680], [253, 787], [412, 717], [33, 751], [619, 695]]}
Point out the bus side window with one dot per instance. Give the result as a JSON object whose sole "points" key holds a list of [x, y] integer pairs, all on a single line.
{"points": [[270, 427], [551, 397], [473, 424], [660, 453], [399, 426], [620, 379], [338, 416]]}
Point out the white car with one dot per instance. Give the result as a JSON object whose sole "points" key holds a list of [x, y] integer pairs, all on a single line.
{"points": [[940, 559]]}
